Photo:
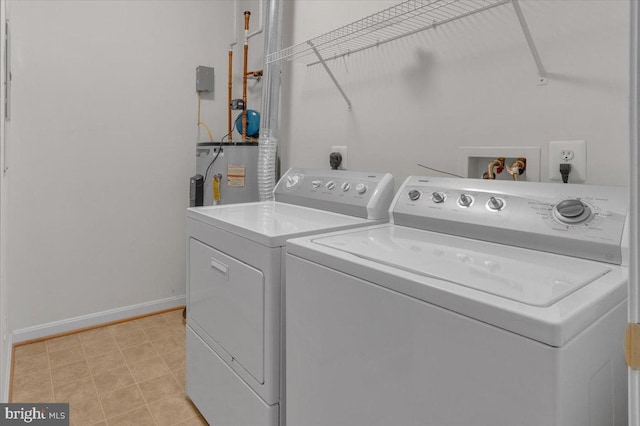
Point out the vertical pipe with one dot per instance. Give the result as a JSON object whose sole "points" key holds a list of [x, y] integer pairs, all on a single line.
{"points": [[634, 195], [247, 15], [270, 111], [229, 93]]}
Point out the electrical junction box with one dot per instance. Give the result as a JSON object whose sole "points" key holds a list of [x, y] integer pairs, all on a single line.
{"points": [[204, 79]]}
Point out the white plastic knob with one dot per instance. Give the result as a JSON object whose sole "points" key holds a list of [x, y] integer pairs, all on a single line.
{"points": [[361, 188]]}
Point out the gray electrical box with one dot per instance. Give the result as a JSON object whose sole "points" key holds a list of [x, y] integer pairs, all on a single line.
{"points": [[204, 79]]}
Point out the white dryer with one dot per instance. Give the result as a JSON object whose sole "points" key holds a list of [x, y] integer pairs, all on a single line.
{"points": [[235, 286], [482, 303]]}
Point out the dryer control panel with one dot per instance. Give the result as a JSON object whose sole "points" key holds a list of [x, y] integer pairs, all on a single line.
{"points": [[586, 221], [361, 194]]}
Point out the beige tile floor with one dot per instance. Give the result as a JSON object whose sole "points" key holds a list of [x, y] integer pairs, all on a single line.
{"points": [[130, 373]]}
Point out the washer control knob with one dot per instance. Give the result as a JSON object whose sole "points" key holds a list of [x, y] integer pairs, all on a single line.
{"points": [[345, 187], [495, 203], [316, 183], [414, 195], [570, 208], [465, 200], [330, 185], [437, 197], [361, 188], [292, 181], [572, 211]]}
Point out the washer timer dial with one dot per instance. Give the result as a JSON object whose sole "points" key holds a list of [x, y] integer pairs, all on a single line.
{"points": [[571, 211]]}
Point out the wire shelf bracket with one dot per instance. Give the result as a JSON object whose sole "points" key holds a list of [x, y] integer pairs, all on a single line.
{"points": [[404, 19], [333, 77], [542, 72]]}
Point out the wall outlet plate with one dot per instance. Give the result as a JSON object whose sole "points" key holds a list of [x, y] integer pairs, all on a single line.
{"points": [[342, 149], [568, 152]]}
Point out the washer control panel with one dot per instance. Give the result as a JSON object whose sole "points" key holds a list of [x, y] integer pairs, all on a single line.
{"points": [[361, 194], [585, 221]]}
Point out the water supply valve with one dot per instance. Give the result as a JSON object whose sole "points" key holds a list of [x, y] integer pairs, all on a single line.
{"points": [[498, 165], [517, 168]]}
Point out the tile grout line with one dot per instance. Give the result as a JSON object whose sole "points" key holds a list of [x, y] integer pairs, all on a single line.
{"points": [[146, 404], [86, 358], [182, 393]]}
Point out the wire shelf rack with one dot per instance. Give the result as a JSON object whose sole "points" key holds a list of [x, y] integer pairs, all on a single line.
{"points": [[401, 20]]}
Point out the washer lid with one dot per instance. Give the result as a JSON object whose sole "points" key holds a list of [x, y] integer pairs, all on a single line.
{"points": [[272, 223], [530, 277]]}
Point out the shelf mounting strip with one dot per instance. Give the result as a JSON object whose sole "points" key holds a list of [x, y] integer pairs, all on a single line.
{"points": [[401, 20]]}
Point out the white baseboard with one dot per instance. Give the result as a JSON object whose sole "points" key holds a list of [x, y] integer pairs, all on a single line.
{"points": [[91, 320], [6, 377]]}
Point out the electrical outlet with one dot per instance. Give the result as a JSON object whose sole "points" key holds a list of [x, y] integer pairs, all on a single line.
{"points": [[567, 155], [568, 152], [342, 149]]}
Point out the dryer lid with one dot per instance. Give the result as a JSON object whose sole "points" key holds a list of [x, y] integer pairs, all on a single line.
{"points": [[531, 277]]}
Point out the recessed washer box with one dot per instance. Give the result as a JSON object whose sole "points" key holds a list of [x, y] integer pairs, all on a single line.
{"points": [[473, 161]]}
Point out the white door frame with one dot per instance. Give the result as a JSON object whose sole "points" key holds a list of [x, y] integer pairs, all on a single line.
{"points": [[5, 337], [634, 196]]}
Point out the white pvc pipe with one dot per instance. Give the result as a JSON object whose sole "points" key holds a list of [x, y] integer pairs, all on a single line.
{"points": [[235, 25], [261, 20]]}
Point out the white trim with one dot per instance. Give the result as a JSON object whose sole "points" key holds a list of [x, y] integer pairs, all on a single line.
{"points": [[6, 378], [91, 320]]}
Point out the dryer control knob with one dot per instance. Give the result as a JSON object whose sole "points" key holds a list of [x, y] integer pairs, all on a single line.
{"points": [[495, 203], [414, 195], [316, 183], [465, 200], [361, 188], [330, 185], [292, 181], [437, 197], [345, 187]]}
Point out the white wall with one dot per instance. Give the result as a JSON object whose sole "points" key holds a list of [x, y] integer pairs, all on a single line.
{"points": [[101, 147], [471, 82]]}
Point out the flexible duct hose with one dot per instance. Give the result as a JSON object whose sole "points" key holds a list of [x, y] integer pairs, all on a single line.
{"points": [[268, 140]]}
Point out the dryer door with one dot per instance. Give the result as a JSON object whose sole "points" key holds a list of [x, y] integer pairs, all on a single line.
{"points": [[227, 302]]}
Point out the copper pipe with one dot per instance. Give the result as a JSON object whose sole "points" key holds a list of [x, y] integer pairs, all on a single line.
{"points": [[247, 15], [229, 128], [498, 162]]}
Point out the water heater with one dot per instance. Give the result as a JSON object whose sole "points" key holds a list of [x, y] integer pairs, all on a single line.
{"points": [[234, 170]]}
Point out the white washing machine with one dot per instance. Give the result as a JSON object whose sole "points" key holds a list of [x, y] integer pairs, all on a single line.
{"points": [[482, 303], [235, 286]]}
